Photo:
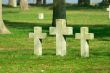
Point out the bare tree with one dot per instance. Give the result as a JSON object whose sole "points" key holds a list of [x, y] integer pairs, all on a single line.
{"points": [[83, 2], [24, 4], [3, 29], [39, 2], [13, 3]]}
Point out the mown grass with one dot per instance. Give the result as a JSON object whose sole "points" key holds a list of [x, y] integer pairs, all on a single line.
{"points": [[16, 49]]}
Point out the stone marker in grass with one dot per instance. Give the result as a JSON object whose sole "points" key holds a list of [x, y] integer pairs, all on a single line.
{"points": [[41, 16], [38, 36], [84, 36], [108, 9], [60, 31]]}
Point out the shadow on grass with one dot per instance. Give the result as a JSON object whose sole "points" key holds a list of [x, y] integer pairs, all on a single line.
{"points": [[68, 6], [25, 25], [77, 7], [99, 53], [102, 31]]}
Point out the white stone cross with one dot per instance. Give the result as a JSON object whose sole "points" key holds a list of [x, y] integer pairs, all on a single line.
{"points": [[108, 9], [84, 36], [38, 36], [41, 16], [60, 30]]}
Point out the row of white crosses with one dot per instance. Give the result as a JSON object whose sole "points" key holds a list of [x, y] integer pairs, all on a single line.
{"points": [[108, 9], [60, 30]]}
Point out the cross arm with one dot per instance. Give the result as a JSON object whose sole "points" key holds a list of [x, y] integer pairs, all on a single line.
{"points": [[68, 31], [52, 30], [108, 9], [43, 35], [31, 35], [89, 36]]}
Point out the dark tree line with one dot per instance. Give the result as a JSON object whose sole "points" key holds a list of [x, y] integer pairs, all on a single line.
{"points": [[87, 2], [83, 2], [106, 2], [80, 2], [39, 2]]}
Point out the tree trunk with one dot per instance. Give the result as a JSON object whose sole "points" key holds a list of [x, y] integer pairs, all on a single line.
{"points": [[87, 2], [12, 3], [44, 2], [3, 29], [39, 2], [59, 10], [18, 2], [24, 5], [80, 2], [83, 2]]}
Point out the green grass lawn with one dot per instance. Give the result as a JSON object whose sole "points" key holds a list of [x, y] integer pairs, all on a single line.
{"points": [[16, 49]]}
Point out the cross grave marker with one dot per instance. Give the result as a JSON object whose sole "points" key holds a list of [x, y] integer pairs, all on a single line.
{"points": [[60, 30], [84, 36], [108, 9], [41, 16], [38, 36]]}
